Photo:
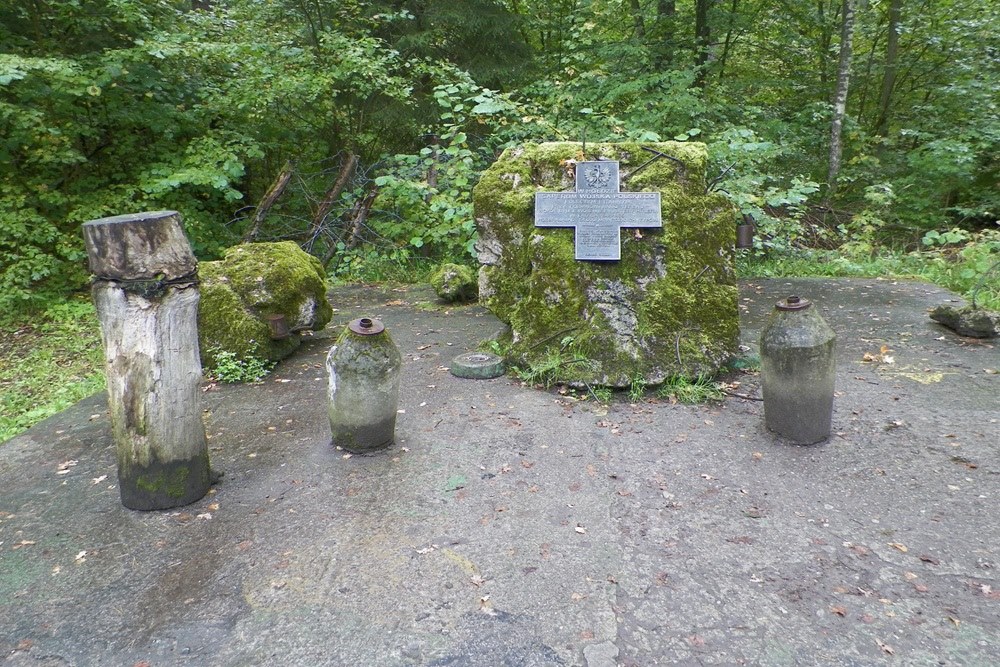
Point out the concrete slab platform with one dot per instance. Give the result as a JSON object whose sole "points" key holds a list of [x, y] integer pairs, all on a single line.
{"points": [[516, 527]]}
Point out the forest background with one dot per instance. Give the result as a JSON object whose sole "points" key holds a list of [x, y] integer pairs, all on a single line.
{"points": [[862, 136]]}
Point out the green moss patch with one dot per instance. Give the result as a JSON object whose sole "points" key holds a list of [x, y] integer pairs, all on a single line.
{"points": [[668, 308], [455, 283], [252, 282]]}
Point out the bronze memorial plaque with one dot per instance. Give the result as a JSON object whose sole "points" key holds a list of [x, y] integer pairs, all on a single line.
{"points": [[597, 210]]}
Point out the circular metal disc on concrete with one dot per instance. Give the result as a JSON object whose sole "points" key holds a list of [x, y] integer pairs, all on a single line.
{"points": [[477, 366]]}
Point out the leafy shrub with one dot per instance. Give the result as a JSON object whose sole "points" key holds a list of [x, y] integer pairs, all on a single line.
{"points": [[230, 369]]}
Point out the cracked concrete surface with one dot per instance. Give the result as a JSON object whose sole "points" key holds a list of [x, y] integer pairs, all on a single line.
{"points": [[516, 527]]}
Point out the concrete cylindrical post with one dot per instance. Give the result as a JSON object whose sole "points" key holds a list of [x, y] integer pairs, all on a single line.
{"points": [[798, 368], [364, 368], [146, 292]]}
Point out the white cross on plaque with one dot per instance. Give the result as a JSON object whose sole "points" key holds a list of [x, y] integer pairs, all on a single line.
{"points": [[598, 210]]}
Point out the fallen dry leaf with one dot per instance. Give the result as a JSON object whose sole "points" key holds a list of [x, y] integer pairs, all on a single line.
{"points": [[839, 610], [885, 647], [580, 529], [899, 546]]}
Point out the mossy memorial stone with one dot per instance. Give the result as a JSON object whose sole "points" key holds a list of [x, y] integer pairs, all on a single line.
{"points": [[667, 307], [254, 281]]}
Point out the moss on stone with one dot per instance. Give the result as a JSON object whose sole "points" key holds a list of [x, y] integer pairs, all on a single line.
{"points": [[250, 283], [158, 484], [454, 282], [667, 308]]}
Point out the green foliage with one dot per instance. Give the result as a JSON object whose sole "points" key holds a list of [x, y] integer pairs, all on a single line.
{"points": [[777, 204], [118, 106], [685, 390], [229, 368], [546, 371], [950, 237], [968, 268], [601, 394], [637, 389], [49, 359], [971, 269]]}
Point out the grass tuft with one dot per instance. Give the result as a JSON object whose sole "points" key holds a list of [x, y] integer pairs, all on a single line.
{"points": [[49, 360]]}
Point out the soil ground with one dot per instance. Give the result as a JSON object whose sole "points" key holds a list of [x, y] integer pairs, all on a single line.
{"points": [[516, 527]]}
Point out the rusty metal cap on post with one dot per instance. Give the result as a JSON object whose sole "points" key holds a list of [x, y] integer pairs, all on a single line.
{"points": [[366, 326], [793, 303]]}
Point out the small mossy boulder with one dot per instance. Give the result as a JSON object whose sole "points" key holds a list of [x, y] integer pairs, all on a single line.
{"points": [[254, 281], [454, 282], [668, 307]]}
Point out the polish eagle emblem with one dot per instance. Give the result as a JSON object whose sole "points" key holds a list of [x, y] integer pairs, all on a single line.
{"points": [[597, 175]]}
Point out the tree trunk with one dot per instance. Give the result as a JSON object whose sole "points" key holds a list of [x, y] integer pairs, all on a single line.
{"points": [[357, 219], [330, 198], [825, 36], [638, 23], [727, 45], [702, 38], [840, 97], [666, 13], [146, 293], [889, 78], [267, 202]]}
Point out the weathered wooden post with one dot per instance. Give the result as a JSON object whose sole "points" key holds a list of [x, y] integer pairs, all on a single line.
{"points": [[146, 292]]}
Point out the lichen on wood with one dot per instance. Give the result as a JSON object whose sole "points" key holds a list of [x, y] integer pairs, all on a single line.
{"points": [[153, 371]]}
